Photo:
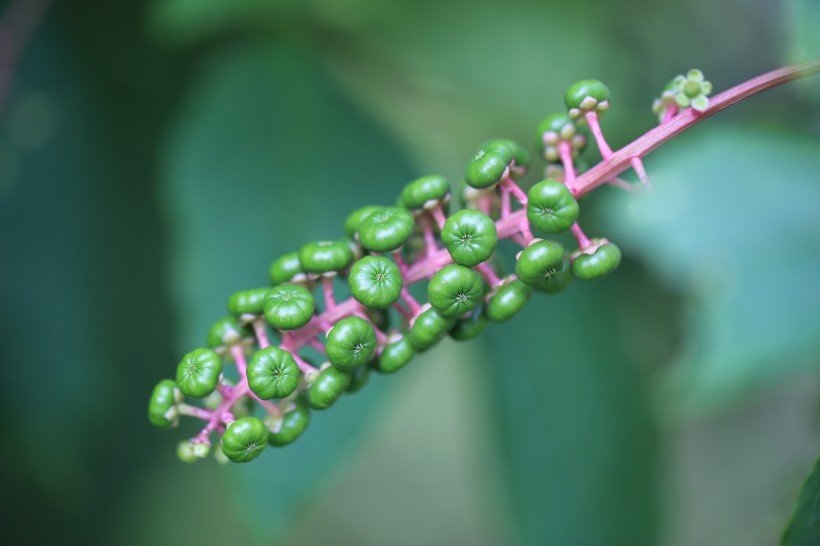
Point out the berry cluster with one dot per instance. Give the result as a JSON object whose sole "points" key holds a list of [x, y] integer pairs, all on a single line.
{"points": [[387, 250]]}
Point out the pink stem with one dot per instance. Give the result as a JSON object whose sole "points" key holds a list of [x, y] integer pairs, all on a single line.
{"points": [[239, 358], [316, 344], [193, 411], [261, 334], [304, 367], [621, 183], [670, 112], [438, 216], [565, 151], [485, 204], [515, 190], [595, 127], [405, 314], [580, 236], [621, 160], [411, 302], [637, 164], [488, 273], [429, 236], [505, 201], [526, 233], [327, 288], [397, 257]]}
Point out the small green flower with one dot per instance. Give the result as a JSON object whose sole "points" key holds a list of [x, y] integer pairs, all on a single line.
{"points": [[692, 90]]}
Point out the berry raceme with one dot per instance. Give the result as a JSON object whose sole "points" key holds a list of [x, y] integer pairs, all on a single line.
{"points": [[387, 249]]}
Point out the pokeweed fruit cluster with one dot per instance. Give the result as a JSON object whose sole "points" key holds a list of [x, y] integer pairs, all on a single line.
{"points": [[325, 348]]}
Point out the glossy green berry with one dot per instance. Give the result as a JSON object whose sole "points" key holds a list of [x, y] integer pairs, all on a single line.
{"points": [[386, 230], [585, 95], [350, 343], [604, 260], [325, 256], [551, 207], [539, 262], [424, 190], [470, 237], [328, 387], [508, 301], [428, 329], [375, 281], [556, 283], [488, 166], [273, 373], [162, 405], [470, 327], [521, 157], [358, 379], [247, 302], [395, 355], [226, 332], [292, 424], [190, 452], [455, 290], [557, 128], [355, 218], [289, 306], [245, 439], [286, 268], [198, 373]]}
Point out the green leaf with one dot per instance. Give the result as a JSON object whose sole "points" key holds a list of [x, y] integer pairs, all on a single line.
{"points": [[804, 528], [573, 416], [732, 223], [265, 158]]}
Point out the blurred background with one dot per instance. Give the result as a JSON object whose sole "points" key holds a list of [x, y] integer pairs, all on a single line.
{"points": [[156, 156]]}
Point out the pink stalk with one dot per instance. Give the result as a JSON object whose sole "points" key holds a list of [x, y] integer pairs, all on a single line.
{"points": [[583, 241], [429, 236], [397, 257], [485, 204], [261, 334], [595, 127], [565, 151], [411, 302], [327, 288], [670, 112], [505, 201], [637, 164], [621, 183], [438, 215], [239, 358], [488, 274], [316, 344], [405, 314], [193, 411], [526, 233], [515, 190]]}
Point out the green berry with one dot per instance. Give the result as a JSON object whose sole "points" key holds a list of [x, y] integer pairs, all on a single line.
{"points": [[539, 262], [375, 281], [226, 332], [455, 290], [428, 329], [292, 425], [358, 379], [419, 192], [470, 237], [488, 166], [386, 230], [551, 207], [508, 301], [162, 405], [328, 387], [470, 327], [604, 260], [350, 343], [355, 218], [245, 439], [289, 306], [273, 373], [325, 256], [286, 269], [198, 373], [395, 355], [586, 95], [520, 155], [247, 302]]}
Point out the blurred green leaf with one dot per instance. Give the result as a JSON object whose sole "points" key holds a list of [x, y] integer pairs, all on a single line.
{"points": [[265, 158], [732, 222], [574, 417], [804, 528]]}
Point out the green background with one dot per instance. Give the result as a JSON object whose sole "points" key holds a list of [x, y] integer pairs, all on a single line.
{"points": [[157, 156]]}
